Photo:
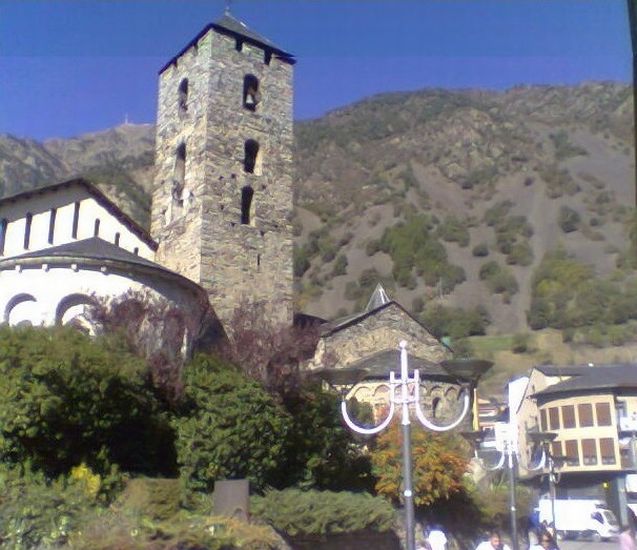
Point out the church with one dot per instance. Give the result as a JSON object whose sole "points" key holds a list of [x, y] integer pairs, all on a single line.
{"points": [[220, 231]]}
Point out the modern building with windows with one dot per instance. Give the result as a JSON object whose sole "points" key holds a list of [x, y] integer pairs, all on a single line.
{"points": [[592, 411]]}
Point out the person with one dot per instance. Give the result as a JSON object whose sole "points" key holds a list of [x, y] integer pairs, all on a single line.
{"points": [[545, 542], [436, 538], [494, 543], [627, 537]]}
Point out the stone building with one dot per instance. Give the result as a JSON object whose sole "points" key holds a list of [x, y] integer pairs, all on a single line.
{"points": [[220, 231]]}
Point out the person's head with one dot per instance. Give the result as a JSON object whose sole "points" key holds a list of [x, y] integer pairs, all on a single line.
{"points": [[546, 540], [494, 539]]}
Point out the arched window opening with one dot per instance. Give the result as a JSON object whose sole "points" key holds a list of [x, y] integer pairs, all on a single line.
{"points": [[4, 224], [76, 310], [27, 230], [179, 178], [22, 309], [76, 220], [246, 205], [251, 93], [252, 157], [52, 225], [183, 97], [435, 407], [96, 228], [116, 239]]}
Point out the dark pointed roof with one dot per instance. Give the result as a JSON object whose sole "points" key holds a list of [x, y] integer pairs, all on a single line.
{"points": [[92, 190], [378, 298], [229, 25]]}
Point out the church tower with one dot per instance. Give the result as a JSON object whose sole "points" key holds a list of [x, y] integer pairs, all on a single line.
{"points": [[222, 199]]}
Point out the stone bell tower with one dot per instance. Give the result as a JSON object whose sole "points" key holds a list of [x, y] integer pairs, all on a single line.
{"points": [[222, 199]]}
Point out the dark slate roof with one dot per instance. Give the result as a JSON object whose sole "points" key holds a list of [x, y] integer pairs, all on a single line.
{"points": [[95, 249], [380, 364], [230, 25], [100, 197], [601, 377], [567, 370]]}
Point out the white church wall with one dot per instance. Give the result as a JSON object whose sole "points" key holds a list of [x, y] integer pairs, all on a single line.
{"points": [[62, 202], [63, 291]]}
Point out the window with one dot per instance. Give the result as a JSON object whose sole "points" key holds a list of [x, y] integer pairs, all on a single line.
{"points": [[52, 225], [180, 165], [116, 239], [572, 452], [589, 452], [27, 230], [183, 97], [3, 234], [136, 251], [585, 413], [246, 204], [543, 420], [603, 414], [568, 416], [96, 228], [251, 157], [251, 94], [267, 57], [238, 45], [607, 450], [554, 418], [556, 448], [76, 220]]}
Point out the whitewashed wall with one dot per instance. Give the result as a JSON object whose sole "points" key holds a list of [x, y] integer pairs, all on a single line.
{"points": [[63, 201]]}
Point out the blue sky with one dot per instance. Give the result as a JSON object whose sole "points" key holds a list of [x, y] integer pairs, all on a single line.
{"points": [[74, 66]]}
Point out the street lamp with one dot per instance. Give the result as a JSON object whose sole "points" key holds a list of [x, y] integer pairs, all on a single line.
{"points": [[506, 445], [551, 462], [465, 370]]}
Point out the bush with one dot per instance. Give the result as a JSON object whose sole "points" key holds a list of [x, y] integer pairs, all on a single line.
{"points": [[454, 230], [301, 261], [568, 219], [372, 247], [228, 427], [480, 250], [66, 399], [297, 512], [521, 254], [340, 265], [36, 513], [520, 343]]}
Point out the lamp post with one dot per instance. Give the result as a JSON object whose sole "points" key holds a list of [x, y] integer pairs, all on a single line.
{"points": [[507, 447], [551, 462], [466, 370]]}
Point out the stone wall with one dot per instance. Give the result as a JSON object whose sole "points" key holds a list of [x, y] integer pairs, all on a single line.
{"points": [[207, 241]]}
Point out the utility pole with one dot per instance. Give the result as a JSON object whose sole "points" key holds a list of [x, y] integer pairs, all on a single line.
{"points": [[632, 22]]}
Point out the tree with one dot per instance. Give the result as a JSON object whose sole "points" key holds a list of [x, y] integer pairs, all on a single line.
{"points": [[228, 427], [268, 353], [439, 465], [568, 219], [66, 399]]}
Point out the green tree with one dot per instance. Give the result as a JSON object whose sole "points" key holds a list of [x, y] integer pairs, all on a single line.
{"points": [[66, 399], [228, 427], [568, 219]]}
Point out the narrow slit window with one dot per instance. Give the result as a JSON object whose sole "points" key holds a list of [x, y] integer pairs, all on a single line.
{"points": [[238, 45], [96, 228], [136, 251], [52, 225], [27, 230], [183, 97], [116, 239], [180, 168], [251, 93], [246, 205], [267, 57], [3, 234], [251, 156], [76, 220]]}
